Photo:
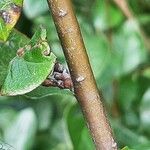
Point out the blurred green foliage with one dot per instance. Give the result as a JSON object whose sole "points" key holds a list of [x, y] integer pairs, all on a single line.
{"points": [[119, 51]]}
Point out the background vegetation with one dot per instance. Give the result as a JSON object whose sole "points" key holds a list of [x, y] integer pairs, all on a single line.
{"points": [[119, 51]]}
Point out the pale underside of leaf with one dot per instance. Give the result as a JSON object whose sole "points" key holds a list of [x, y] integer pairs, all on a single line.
{"points": [[24, 76]]}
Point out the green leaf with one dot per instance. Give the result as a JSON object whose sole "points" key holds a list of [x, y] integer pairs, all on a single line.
{"points": [[142, 146], [131, 119], [78, 131], [30, 67], [129, 48], [42, 92], [7, 115], [106, 15], [52, 37], [34, 8], [60, 136], [146, 72], [98, 52], [8, 51], [126, 136], [9, 14], [145, 111], [22, 130], [128, 92], [4, 145], [126, 148], [44, 116]]}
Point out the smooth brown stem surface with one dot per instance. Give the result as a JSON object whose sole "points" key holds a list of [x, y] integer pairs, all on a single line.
{"points": [[84, 83]]}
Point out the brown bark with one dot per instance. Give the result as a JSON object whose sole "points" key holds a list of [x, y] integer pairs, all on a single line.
{"points": [[84, 83]]}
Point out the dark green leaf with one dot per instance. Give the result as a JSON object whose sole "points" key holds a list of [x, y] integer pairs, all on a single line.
{"points": [[99, 53], [78, 131], [126, 148], [128, 92], [42, 91], [142, 146]]}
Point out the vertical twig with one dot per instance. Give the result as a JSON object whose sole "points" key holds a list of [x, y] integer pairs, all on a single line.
{"points": [[124, 7], [84, 83], [122, 4]]}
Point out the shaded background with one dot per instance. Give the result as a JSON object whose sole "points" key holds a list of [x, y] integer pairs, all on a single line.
{"points": [[119, 51]]}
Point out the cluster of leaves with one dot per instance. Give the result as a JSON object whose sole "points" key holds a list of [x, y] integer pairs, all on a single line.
{"points": [[50, 118]]}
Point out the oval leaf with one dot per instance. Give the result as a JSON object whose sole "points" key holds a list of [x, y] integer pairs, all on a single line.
{"points": [[30, 67], [8, 52]]}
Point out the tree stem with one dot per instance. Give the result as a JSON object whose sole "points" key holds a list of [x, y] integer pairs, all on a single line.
{"points": [[85, 87]]}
